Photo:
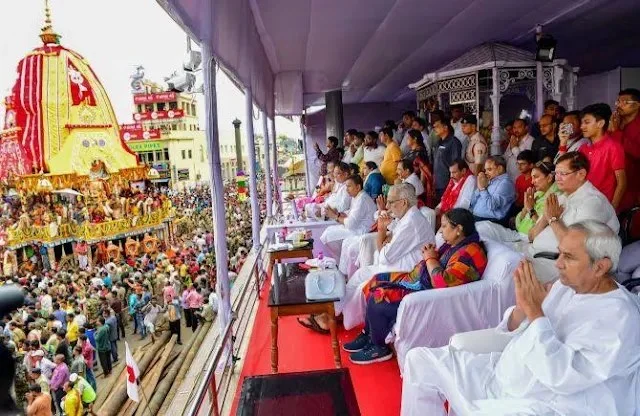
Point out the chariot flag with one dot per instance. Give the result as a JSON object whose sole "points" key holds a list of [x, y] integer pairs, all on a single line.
{"points": [[132, 375]]}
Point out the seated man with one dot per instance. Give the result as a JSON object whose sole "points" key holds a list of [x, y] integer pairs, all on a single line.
{"points": [[459, 189], [574, 349], [397, 243], [495, 192], [580, 201], [407, 175], [338, 199], [357, 221]]}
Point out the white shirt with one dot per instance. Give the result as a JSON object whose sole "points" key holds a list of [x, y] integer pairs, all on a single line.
{"points": [[374, 155], [586, 203], [339, 198], [360, 217], [511, 155], [408, 236], [415, 181], [464, 197], [213, 301]]}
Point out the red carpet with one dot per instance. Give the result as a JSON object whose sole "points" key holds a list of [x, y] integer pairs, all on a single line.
{"points": [[377, 386]]}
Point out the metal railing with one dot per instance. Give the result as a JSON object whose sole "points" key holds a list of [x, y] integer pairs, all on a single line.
{"points": [[210, 394]]}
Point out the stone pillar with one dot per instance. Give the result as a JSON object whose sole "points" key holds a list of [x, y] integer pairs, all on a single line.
{"points": [[236, 126], [334, 115], [495, 103]]}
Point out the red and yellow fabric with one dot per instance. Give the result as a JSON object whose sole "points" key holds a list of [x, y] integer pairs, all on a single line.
{"points": [[66, 116]]}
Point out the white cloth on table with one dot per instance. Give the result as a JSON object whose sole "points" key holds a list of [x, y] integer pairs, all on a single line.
{"points": [[401, 254], [586, 203], [415, 181], [581, 358]]}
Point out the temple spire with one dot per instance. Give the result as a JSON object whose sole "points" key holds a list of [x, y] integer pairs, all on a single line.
{"points": [[48, 35]]}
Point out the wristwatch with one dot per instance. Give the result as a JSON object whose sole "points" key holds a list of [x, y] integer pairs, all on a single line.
{"points": [[552, 220]]}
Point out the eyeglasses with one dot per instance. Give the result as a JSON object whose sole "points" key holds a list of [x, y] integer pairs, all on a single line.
{"points": [[625, 102], [564, 174]]}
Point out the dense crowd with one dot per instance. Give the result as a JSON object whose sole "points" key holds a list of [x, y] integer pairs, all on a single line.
{"points": [[75, 320]]}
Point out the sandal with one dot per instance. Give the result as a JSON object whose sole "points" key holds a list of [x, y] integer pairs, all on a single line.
{"points": [[313, 325]]}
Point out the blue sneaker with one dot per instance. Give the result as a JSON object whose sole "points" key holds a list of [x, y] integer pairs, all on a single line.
{"points": [[358, 344], [372, 354]]}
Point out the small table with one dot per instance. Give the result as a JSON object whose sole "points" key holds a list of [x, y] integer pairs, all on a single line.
{"points": [[276, 256], [287, 298], [317, 393], [292, 225]]}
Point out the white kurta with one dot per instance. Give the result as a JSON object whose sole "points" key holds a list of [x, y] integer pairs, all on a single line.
{"points": [[374, 155], [401, 254], [586, 203], [417, 184], [359, 221], [581, 358], [339, 199], [464, 197]]}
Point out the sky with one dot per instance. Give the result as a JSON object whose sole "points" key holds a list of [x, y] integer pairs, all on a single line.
{"points": [[116, 36]]}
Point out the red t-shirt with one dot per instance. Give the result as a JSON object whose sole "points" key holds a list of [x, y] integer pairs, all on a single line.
{"points": [[522, 184], [629, 137], [605, 158]]}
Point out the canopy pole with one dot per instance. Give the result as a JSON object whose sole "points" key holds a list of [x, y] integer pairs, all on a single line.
{"points": [[539, 90], [307, 178], [267, 165], [217, 186], [253, 188], [495, 103], [276, 175]]}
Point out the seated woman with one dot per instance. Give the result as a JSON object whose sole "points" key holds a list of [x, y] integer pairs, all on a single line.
{"points": [[462, 259], [419, 157], [373, 180], [543, 180]]}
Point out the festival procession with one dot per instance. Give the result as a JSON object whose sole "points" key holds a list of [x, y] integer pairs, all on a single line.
{"points": [[462, 241]]}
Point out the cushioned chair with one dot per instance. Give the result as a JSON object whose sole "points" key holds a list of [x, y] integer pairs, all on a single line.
{"points": [[429, 318]]}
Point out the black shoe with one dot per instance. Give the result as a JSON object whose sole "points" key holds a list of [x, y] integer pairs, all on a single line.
{"points": [[358, 344]]}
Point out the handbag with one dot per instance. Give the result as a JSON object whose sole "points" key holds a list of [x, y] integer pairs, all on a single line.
{"points": [[325, 284]]}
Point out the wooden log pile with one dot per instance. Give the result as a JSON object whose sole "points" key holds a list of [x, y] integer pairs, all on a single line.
{"points": [[162, 366]]}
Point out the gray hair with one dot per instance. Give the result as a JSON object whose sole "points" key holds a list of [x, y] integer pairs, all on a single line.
{"points": [[600, 241], [405, 191]]}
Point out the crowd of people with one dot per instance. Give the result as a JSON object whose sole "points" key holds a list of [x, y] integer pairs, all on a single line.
{"points": [[415, 205], [75, 320]]}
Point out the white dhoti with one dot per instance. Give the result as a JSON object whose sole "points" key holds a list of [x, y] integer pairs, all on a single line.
{"points": [[433, 375], [349, 257], [332, 238]]}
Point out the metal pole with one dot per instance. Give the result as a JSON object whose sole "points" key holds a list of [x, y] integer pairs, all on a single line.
{"points": [[307, 178], [267, 169], [539, 90], [217, 186], [495, 103], [253, 188], [276, 175]]}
